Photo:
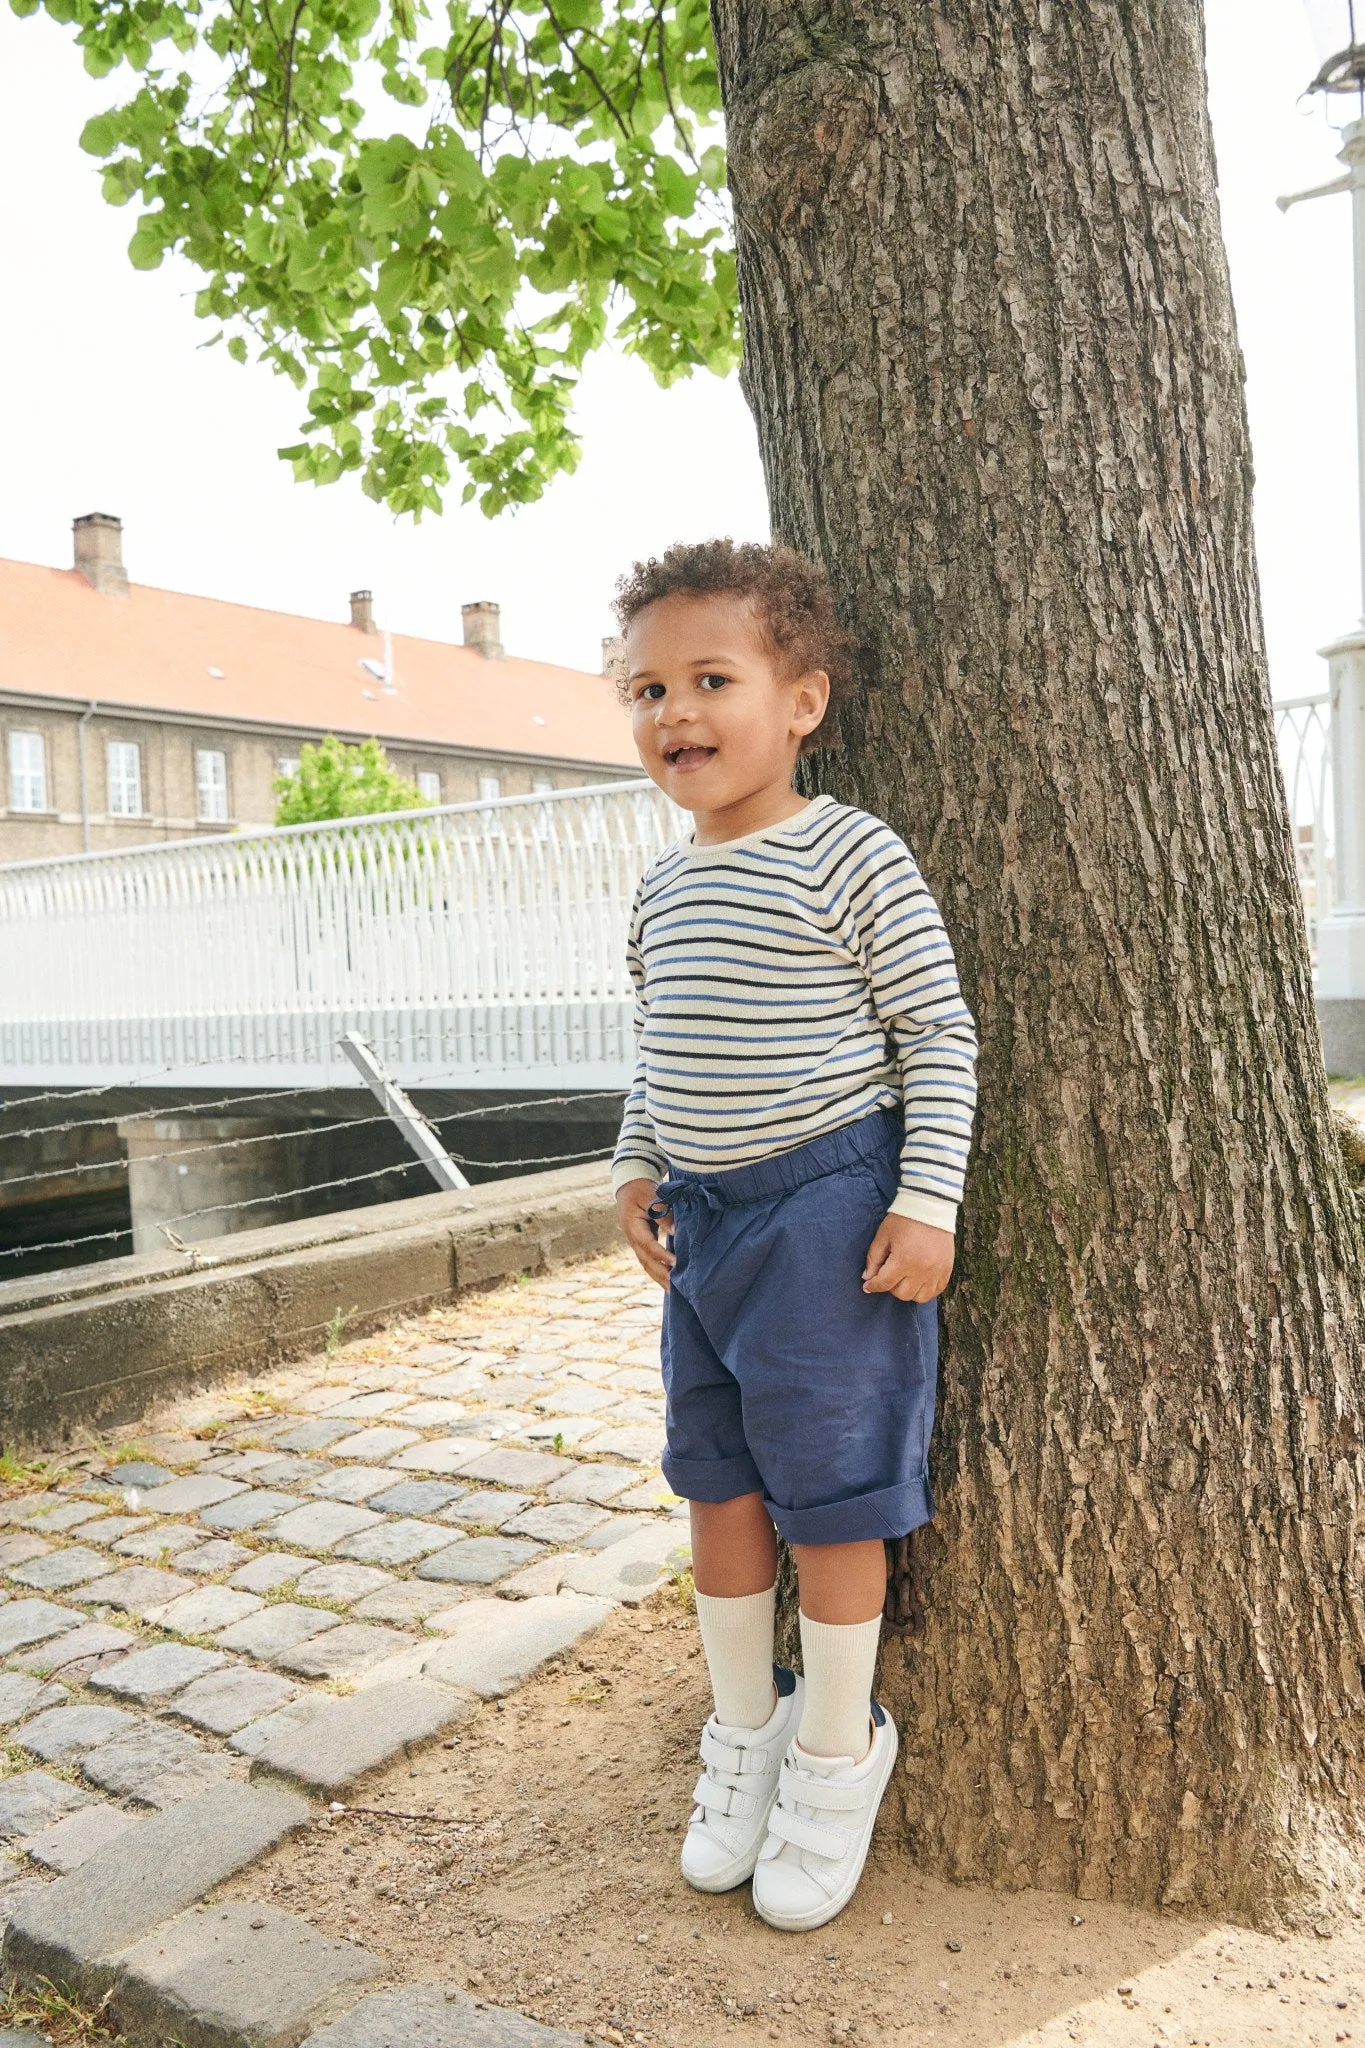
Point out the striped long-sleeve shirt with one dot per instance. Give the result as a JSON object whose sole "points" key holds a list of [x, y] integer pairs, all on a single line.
{"points": [[787, 984]]}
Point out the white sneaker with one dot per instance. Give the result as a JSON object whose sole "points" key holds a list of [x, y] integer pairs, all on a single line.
{"points": [[738, 1784], [819, 1831]]}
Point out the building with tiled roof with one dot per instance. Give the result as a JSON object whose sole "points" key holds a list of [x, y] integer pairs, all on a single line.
{"points": [[129, 715]]}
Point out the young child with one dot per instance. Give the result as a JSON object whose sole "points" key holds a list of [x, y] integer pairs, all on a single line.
{"points": [[789, 1170]]}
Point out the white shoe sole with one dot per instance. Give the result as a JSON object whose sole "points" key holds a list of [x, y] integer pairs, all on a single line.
{"points": [[731, 1875], [802, 1923]]}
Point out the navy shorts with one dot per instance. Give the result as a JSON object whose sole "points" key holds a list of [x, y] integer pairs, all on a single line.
{"points": [[783, 1378]]}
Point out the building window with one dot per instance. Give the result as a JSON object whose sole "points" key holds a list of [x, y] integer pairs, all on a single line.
{"points": [[287, 765], [125, 779], [490, 788], [210, 779], [429, 782], [27, 772]]}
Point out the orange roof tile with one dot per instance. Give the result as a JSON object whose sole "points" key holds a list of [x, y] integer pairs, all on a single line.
{"points": [[154, 650]]}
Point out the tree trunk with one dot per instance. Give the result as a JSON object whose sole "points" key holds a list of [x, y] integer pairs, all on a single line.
{"points": [[991, 354]]}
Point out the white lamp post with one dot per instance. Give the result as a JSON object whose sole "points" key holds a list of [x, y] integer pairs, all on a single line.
{"points": [[1341, 935]]}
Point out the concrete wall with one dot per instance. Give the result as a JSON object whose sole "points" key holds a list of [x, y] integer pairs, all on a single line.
{"points": [[169, 792], [98, 1346]]}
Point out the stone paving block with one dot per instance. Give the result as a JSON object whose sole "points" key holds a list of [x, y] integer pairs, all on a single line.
{"points": [[139, 1475], [61, 1569], [252, 1739], [189, 1496], [21, 1550], [239, 1464], [516, 1468], [21, 1696], [158, 1766], [491, 1424], [598, 1367], [227, 1700], [563, 1521], [207, 1609], [641, 1443], [493, 1646], [382, 1403], [206, 1560], [351, 1483], [468, 1382], [415, 1496], [343, 1652], [637, 1379], [266, 1573], [314, 1436], [157, 1542], [406, 1602], [152, 1674], [344, 1582], [478, 1561], [290, 1471], [236, 1976], [439, 1354], [546, 1575], [397, 1542], [92, 1639], [55, 1521], [637, 1408], [487, 1508], [274, 1630], [70, 1842], [613, 1530], [439, 1455], [321, 1524], [373, 1444], [132, 1885], [575, 1400], [248, 1510], [654, 1493], [22, 1504], [33, 1799], [434, 2016], [598, 1483], [349, 1737], [432, 1414], [560, 1430], [636, 1566], [66, 1732], [137, 1590], [110, 1529], [33, 1621]]}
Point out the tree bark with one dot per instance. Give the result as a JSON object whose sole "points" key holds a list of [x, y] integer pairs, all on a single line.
{"points": [[991, 355]]}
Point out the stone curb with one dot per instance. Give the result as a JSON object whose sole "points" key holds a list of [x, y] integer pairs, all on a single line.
{"points": [[95, 1346]]}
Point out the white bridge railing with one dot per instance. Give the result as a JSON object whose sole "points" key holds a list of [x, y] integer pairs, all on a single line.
{"points": [[1302, 727], [478, 945]]}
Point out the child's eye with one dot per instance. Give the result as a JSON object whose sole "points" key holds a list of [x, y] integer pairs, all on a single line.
{"points": [[713, 682], [653, 691]]}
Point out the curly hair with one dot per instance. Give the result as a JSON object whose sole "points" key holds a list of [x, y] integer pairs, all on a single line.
{"points": [[791, 596]]}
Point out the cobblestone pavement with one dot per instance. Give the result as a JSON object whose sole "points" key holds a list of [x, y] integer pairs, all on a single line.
{"points": [[208, 1626]]}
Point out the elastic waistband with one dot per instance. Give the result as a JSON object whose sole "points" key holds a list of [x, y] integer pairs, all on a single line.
{"points": [[871, 1137]]}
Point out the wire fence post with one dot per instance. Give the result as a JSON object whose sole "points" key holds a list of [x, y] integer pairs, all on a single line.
{"points": [[404, 1113]]}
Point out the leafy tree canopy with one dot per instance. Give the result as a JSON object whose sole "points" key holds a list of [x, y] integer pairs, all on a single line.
{"points": [[337, 781], [426, 226]]}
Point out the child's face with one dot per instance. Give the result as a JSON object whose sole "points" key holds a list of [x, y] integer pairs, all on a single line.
{"points": [[715, 717]]}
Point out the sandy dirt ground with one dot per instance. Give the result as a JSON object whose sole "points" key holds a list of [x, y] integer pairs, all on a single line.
{"points": [[539, 1868]]}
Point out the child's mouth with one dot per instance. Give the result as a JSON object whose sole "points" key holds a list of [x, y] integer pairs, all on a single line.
{"points": [[688, 757]]}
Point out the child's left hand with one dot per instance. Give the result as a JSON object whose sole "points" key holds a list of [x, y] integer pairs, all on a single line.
{"points": [[911, 1260]]}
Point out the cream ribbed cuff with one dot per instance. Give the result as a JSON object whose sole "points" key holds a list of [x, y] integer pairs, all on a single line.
{"points": [[737, 1636]]}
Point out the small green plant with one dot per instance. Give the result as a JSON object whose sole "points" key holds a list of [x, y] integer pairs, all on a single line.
{"points": [[559, 1443], [57, 2015], [23, 1475], [337, 781], [340, 1318], [685, 1591]]}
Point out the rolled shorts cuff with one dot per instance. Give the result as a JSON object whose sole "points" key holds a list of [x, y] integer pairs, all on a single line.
{"points": [[712, 1479], [894, 1511]]}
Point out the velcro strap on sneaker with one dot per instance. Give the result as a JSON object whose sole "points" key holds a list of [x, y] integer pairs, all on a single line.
{"points": [[714, 1797], [723, 1756], [827, 1794], [806, 1834]]}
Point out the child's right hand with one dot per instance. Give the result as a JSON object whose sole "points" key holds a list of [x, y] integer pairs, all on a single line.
{"points": [[632, 1206]]}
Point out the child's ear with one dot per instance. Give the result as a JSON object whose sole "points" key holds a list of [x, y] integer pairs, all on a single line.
{"points": [[810, 700]]}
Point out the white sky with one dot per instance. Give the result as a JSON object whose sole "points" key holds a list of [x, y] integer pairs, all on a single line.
{"points": [[109, 404]]}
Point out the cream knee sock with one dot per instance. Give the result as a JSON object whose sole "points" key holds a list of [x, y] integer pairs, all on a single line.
{"points": [[839, 1659], [737, 1636]]}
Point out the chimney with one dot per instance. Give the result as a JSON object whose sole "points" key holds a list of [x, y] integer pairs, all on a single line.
{"points": [[482, 626], [614, 657], [98, 540], [362, 611]]}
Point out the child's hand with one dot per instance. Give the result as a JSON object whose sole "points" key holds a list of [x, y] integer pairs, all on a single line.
{"points": [[911, 1260], [632, 1206]]}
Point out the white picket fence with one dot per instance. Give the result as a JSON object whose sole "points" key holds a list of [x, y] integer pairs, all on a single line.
{"points": [[1302, 727], [477, 944]]}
